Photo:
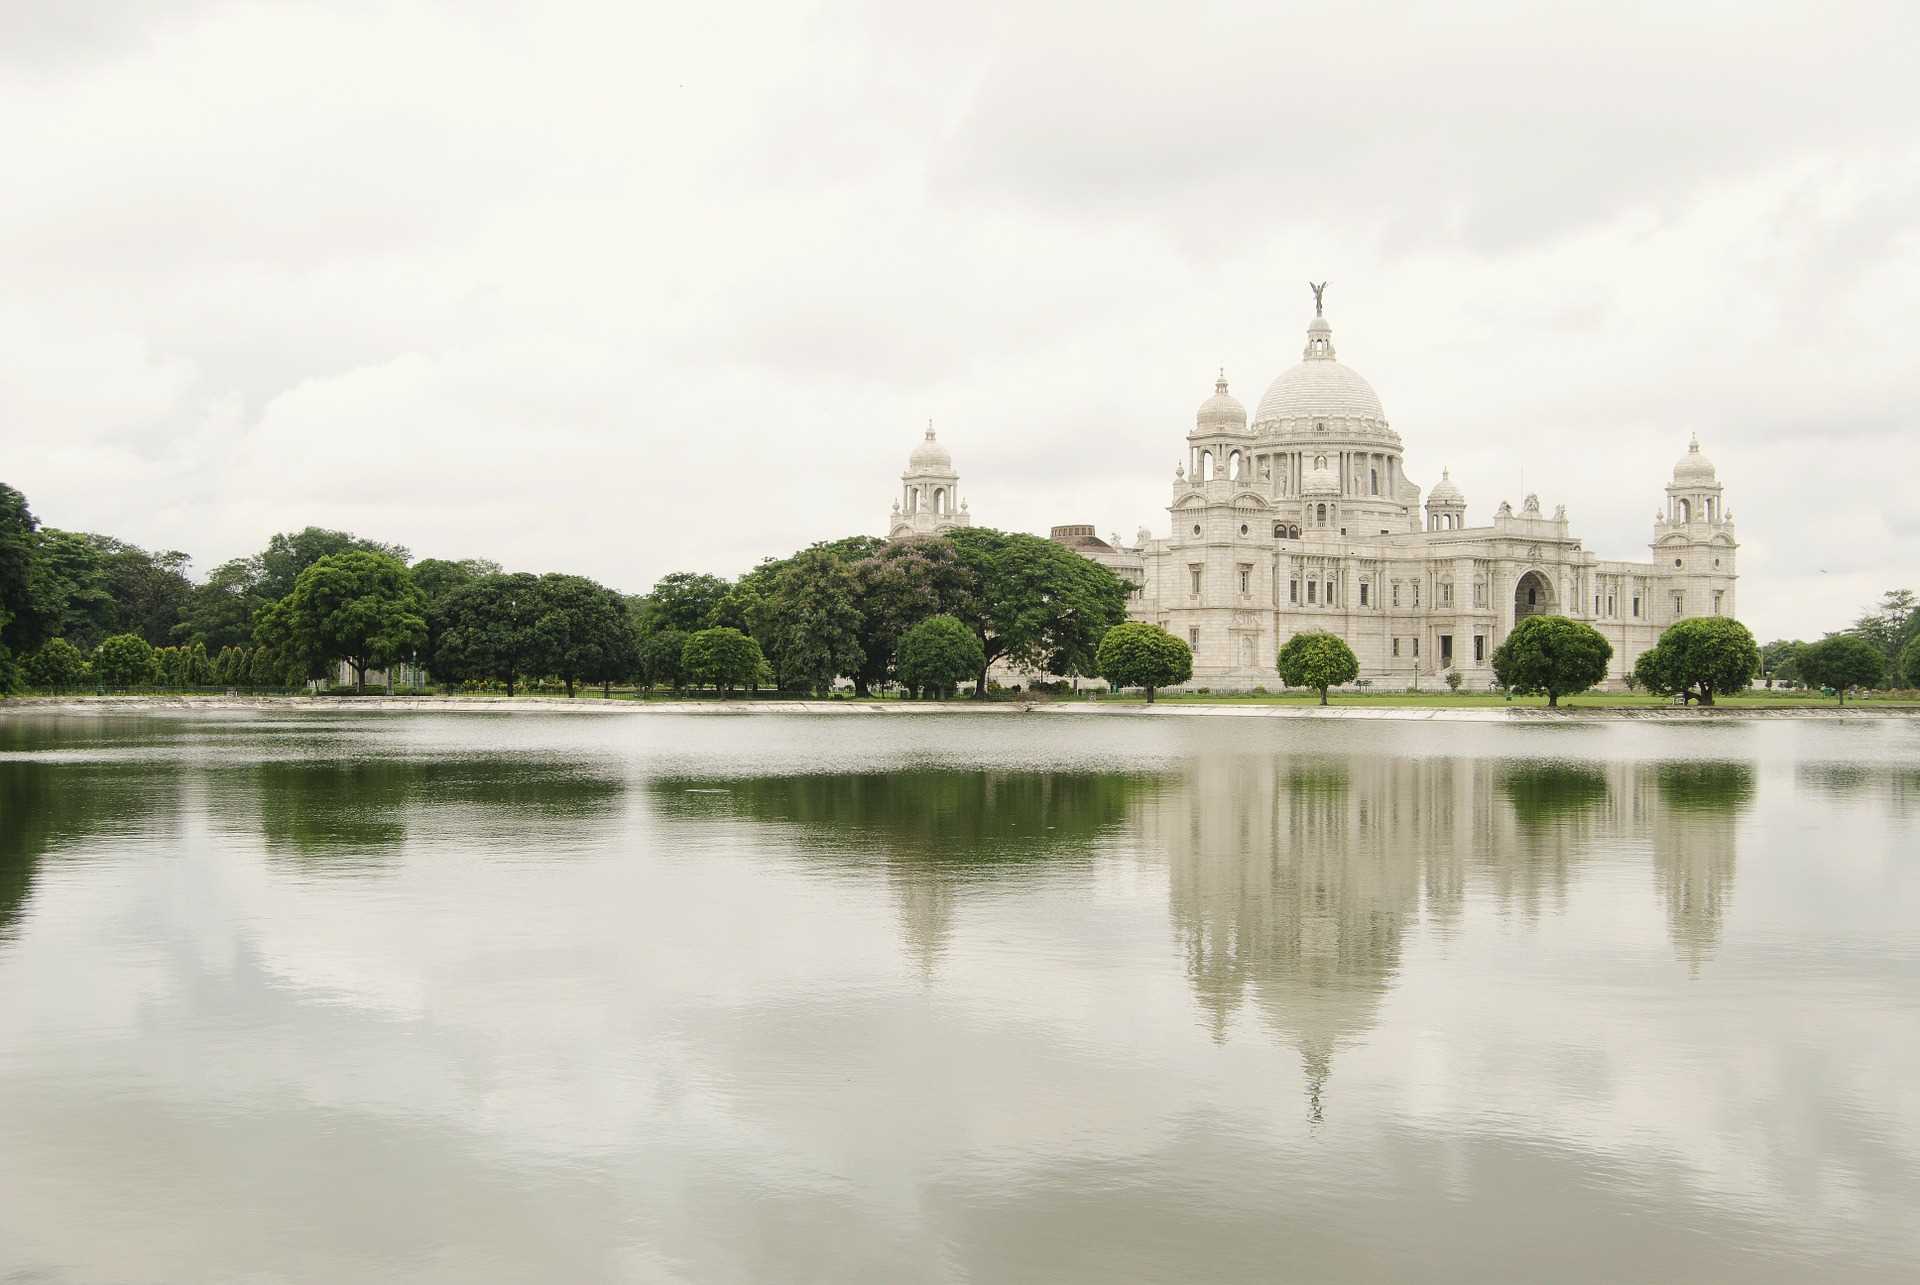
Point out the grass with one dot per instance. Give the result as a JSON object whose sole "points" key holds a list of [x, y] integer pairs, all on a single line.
{"points": [[1492, 700]]}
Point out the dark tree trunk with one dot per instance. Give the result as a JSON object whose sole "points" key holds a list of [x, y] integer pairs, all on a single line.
{"points": [[568, 680], [1323, 695], [360, 677], [1149, 693], [1706, 695], [1553, 699], [509, 684], [606, 689]]}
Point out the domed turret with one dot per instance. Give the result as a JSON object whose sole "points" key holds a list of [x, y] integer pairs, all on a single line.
{"points": [[1693, 468], [929, 456], [929, 500], [1318, 389], [1446, 505], [1222, 412]]}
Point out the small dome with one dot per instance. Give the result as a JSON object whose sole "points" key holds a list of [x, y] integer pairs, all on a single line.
{"points": [[930, 456], [1222, 412], [1320, 481], [1445, 492], [1694, 468]]}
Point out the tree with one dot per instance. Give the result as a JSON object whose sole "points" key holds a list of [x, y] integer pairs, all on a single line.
{"points": [[810, 630], [1552, 654], [1317, 660], [1780, 660], [1037, 603], [360, 607], [124, 660], [1135, 654], [684, 600], [290, 553], [898, 586], [938, 654], [57, 665], [1842, 661], [1891, 624], [1453, 680], [196, 668], [660, 658], [69, 593], [437, 577], [148, 589], [724, 657], [488, 630], [220, 612], [1910, 662], [17, 527], [583, 631], [1699, 658]]}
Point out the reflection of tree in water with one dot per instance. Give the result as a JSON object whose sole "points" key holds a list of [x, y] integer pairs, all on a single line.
{"points": [[1694, 848], [1555, 810], [1898, 786], [345, 813], [936, 831], [48, 806]]}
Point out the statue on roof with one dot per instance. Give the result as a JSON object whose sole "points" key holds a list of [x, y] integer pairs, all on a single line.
{"points": [[1318, 291], [1532, 504]]}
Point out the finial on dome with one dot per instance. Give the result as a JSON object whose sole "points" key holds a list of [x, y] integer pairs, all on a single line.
{"points": [[929, 429], [1693, 443], [1220, 384], [1445, 473], [1318, 292]]}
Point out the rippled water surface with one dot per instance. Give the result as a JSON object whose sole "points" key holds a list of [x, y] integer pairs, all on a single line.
{"points": [[798, 998]]}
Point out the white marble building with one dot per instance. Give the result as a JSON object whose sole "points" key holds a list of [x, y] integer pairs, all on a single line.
{"points": [[929, 500], [1303, 518]]}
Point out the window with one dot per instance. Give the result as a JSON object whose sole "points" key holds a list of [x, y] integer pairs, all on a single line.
{"points": [[1320, 515], [1329, 593], [1416, 599], [1196, 528], [1479, 593], [1596, 604], [1446, 593], [1374, 480], [1313, 591], [1396, 593], [1446, 649], [1416, 647], [1246, 579], [1679, 605], [1396, 646], [1193, 639], [1636, 606], [1279, 530], [1363, 593], [1676, 562], [1479, 648], [1610, 604], [1194, 575], [1320, 461], [1243, 528], [1719, 596]]}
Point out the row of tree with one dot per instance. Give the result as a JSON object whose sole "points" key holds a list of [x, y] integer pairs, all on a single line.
{"points": [[1890, 631]]}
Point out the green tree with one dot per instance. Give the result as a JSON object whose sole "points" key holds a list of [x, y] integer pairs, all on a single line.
{"points": [[810, 630], [196, 667], [1780, 661], [1699, 658], [359, 607], [56, 666], [149, 590], [1910, 662], [268, 668], [1552, 654], [1842, 661], [684, 601], [660, 658], [489, 630], [124, 660], [17, 528], [898, 586], [282, 650], [292, 552], [1039, 604], [220, 613], [438, 577], [939, 654], [1889, 625], [722, 657], [70, 598], [1317, 660], [584, 631], [1136, 654]]}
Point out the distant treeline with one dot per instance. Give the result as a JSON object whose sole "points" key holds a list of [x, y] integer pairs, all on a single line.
{"points": [[81, 608], [1892, 629]]}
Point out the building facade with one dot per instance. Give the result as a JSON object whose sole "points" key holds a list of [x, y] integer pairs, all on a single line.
{"points": [[1302, 517]]}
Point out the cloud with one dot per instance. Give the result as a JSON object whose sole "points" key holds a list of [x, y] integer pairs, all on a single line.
{"points": [[678, 291]]}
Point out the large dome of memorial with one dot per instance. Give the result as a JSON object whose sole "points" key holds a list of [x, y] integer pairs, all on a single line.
{"points": [[1319, 388]]}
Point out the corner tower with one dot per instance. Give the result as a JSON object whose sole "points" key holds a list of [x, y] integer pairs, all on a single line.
{"points": [[929, 501], [1693, 543]]}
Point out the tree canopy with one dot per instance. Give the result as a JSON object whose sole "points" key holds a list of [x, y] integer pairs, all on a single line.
{"points": [[1036, 602], [723, 658], [124, 660], [57, 665], [938, 654], [487, 629], [1137, 654], [1552, 654], [1699, 658], [810, 624], [1317, 660], [1841, 662], [359, 607], [583, 632]]}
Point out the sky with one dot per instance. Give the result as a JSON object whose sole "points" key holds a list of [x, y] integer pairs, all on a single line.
{"points": [[629, 289]]}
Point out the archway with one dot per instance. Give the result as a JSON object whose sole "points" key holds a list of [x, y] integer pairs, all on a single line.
{"points": [[1533, 596]]}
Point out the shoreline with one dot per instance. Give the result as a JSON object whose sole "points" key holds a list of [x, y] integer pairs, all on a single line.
{"points": [[108, 705]]}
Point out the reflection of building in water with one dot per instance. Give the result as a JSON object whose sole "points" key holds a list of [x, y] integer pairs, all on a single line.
{"points": [[1293, 880]]}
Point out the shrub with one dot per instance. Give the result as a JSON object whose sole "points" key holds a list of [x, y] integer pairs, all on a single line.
{"points": [[1453, 680], [124, 660], [56, 666]]}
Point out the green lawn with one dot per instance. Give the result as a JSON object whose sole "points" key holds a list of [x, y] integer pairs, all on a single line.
{"points": [[1472, 700]]}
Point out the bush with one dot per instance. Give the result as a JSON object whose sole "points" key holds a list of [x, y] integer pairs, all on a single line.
{"points": [[124, 660], [56, 666], [1453, 680], [1137, 654]]}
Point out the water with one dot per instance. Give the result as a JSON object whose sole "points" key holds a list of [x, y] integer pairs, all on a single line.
{"points": [[521, 997]]}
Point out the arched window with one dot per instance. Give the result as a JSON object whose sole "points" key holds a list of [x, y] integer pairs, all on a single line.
{"points": [[1279, 530], [1320, 515], [1233, 465], [1319, 461], [1686, 511], [913, 500], [1206, 466], [1374, 480], [940, 500]]}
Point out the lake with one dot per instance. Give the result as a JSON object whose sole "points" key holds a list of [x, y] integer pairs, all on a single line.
{"points": [[792, 998]]}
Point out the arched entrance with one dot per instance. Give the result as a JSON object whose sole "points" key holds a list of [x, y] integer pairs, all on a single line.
{"points": [[1532, 596]]}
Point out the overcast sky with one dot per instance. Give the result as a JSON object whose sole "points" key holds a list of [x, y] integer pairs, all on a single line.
{"points": [[626, 289]]}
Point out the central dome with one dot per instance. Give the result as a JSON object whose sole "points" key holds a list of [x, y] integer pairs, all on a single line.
{"points": [[1319, 387]]}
